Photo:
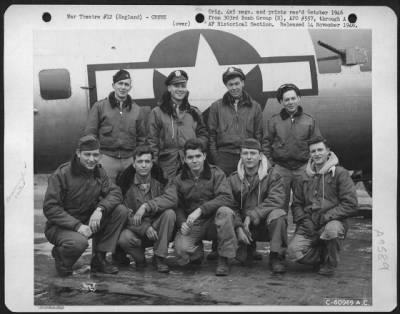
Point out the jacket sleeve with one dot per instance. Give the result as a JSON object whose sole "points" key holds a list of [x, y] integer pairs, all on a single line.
{"points": [[267, 139], [235, 205], [273, 200], [315, 131], [179, 210], [223, 194], [212, 128], [53, 207], [298, 202], [167, 200], [141, 137], [154, 134], [201, 130], [258, 123], [92, 124], [347, 195], [110, 196]]}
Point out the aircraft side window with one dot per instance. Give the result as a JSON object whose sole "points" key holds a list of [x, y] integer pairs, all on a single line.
{"points": [[55, 84]]}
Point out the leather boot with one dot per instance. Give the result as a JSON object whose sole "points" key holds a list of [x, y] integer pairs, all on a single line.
{"points": [[159, 263], [276, 263], [120, 258], [222, 267], [100, 264]]}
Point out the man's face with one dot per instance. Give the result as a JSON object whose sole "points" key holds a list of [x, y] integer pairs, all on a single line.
{"points": [[178, 91], [122, 88], [319, 153], [89, 158], [290, 101], [143, 164], [250, 158], [235, 87], [195, 158]]}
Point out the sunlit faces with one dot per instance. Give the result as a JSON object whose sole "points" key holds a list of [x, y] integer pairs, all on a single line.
{"points": [[178, 91], [143, 164], [250, 157], [319, 153], [195, 158], [89, 158], [290, 101], [235, 87], [122, 88]]}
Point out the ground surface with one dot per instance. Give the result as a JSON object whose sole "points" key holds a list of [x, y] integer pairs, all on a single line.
{"points": [[254, 285]]}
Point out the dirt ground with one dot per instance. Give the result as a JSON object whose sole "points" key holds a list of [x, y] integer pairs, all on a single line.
{"points": [[245, 285]]}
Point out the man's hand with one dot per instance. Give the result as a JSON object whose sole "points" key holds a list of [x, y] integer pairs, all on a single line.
{"points": [[246, 228], [185, 228], [242, 237], [193, 216], [137, 218], [151, 233], [85, 231], [94, 221]]}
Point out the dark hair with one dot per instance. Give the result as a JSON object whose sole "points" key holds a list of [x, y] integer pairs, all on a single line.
{"points": [[194, 143], [317, 139], [284, 88], [141, 150]]}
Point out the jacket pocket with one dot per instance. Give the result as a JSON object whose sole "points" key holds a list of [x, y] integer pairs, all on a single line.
{"points": [[106, 130]]}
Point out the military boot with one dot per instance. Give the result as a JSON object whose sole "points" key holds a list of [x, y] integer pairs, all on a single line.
{"points": [[222, 266], [100, 264], [276, 263]]}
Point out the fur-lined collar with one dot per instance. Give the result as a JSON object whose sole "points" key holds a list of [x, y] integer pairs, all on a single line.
{"points": [[114, 103], [78, 170], [125, 179], [166, 105], [329, 166], [262, 169], [227, 99], [186, 173], [285, 115]]}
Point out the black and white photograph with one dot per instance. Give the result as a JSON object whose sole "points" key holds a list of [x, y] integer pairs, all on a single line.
{"points": [[198, 158]]}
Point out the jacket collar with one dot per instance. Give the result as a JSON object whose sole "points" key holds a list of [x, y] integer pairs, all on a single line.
{"points": [[114, 102], [126, 179], [78, 170], [330, 166], [187, 174], [227, 99], [285, 115]]}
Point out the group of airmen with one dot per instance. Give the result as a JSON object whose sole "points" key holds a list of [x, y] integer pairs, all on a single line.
{"points": [[134, 183]]}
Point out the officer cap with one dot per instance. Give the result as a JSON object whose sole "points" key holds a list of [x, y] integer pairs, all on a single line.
{"points": [[251, 143], [121, 75], [284, 88], [88, 142], [232, 72], [175, 77]]}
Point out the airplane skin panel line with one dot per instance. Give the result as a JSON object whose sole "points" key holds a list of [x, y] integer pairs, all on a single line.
{"points": [[286, 59]]}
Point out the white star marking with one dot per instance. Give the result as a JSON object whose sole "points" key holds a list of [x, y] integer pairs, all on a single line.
{"points": [[205, 77]]}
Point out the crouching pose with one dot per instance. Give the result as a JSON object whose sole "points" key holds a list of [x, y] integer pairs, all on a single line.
{"points": [[151, 219], [259, 198], [322, 201], [82, 203], [203, 193]]}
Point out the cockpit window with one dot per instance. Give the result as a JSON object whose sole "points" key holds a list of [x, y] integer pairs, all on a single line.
{"points": [[55, 84]]}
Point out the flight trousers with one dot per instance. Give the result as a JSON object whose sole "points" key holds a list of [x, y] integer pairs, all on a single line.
{"points": [[219, 227], [71, 244]]}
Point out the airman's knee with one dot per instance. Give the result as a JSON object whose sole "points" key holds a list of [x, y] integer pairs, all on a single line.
{"points": [[170, 215]]}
